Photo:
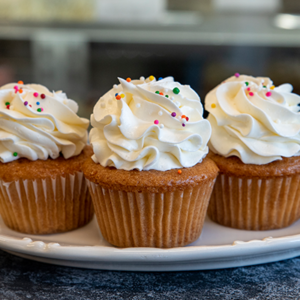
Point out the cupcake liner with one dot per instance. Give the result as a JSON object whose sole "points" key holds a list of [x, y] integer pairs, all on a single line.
{"points": [[255, 203], [164, 220], [44, 206]]}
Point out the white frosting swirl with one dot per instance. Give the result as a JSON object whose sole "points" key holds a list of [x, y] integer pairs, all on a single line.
{"points": [[253, 120], [36, 128], [125, 134]]}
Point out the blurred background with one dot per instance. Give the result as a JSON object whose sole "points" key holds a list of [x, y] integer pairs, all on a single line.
{"points": [[82, 46]]}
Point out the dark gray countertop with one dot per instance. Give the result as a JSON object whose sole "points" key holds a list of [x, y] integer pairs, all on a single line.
{"points": [[25, 279]]}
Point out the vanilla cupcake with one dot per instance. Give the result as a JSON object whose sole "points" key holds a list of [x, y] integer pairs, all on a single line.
{"points": [[149, 177], [255, 143], [42, 149]]}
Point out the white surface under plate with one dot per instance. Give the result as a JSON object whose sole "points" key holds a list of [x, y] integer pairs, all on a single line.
{"points": [[218, 247]]}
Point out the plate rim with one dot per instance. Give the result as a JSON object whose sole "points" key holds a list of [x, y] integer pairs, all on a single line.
{"points": [[98, 253]]}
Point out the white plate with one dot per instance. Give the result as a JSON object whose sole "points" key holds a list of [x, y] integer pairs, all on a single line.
{"points": [[218, 247]]}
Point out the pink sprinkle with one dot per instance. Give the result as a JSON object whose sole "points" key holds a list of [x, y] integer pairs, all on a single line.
{"points": [[251, 94], [248, 89], [35, 94], [42, 109], [16, 87], [268, 94], [156, 122], [237, 75]]}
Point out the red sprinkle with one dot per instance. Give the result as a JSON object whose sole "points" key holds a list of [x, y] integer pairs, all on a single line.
{"points": [[161, 93], [8, 106], [187, 118], [43, 96], [118, 97]]}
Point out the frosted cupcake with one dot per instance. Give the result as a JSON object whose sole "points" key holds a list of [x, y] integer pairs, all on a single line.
{"points": [[42, 148], [149, 178], [256, 144]]}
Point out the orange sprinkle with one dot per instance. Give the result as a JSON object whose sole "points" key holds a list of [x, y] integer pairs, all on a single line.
{"points": [[179, 171], [128, 79], [20, 82], [272, 87], [161, 93], [20, 91], [118, 97], [183, 117], [213, 105]]}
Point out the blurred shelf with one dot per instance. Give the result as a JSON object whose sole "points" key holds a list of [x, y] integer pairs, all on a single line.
{"points": [[217, 29]]}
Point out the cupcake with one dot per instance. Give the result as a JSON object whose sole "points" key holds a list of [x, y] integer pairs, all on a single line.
{"points": [[42, 149], [149, 177], [255, 142]]}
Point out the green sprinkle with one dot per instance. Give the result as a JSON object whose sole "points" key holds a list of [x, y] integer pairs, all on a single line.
{"points": [[264, 86], [157, 92], [15, 154], [247, 83], [176, 91], [167, 96], [7, 103], [39, 109]]}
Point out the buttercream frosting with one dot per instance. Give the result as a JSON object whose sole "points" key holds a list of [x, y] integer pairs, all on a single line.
{"points": [[38, 124], [148, 124], [254, 120]]}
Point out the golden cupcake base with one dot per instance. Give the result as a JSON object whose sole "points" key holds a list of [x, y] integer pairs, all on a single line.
{"points": [[151, 208]]}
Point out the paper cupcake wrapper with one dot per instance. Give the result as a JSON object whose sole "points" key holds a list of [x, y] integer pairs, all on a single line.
{"points": [[44, 206], [255, 204], [164, 220]]}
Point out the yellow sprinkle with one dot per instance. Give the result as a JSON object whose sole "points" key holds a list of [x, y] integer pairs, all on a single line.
{"points": [[151, 77], [272, 87], [122, 95], [213, 105]]}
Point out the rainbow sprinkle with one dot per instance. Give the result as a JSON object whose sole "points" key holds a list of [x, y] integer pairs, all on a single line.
{"points": [[176, 91]]}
